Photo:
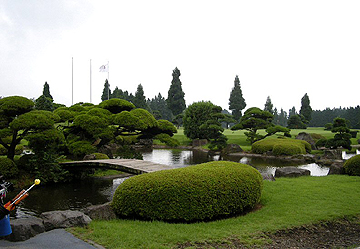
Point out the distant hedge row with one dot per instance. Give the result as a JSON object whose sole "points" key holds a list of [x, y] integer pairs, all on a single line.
{"points": [[281, 146], [196, 193]]}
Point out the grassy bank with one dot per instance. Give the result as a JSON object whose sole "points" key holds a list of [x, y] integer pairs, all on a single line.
{"points": [[285, 203]]}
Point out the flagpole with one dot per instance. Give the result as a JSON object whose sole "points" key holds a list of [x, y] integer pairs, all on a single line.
{"points": [[90, 81], [72, 80]]}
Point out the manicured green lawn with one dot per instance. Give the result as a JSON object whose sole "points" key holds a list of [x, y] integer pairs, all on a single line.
{"points": [[286, 202], [181, 137]]}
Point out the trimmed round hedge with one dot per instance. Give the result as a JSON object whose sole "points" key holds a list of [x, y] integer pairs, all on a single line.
{"points": [[281, 146], [100, 156], [196, 193], [352, 166]]}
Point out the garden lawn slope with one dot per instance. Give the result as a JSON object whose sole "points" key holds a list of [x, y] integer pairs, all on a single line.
{"points": [[286, 203]]}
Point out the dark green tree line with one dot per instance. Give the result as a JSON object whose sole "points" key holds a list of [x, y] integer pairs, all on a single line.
{"points": [[322, 117], [159, 107]]}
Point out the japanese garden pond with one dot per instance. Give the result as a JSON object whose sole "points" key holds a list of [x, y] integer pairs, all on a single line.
{"points": [[92, 191]]}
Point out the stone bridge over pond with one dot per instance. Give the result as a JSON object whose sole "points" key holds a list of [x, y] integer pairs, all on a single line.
{"points": [[132, 166]]}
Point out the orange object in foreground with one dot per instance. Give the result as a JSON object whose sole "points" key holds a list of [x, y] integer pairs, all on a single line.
{"points": [[20, 196]]}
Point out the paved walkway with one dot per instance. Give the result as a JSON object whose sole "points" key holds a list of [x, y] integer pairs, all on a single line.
{"points": [[54, 239]]}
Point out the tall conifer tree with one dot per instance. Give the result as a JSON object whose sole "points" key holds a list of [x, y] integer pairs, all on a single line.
{"points": [[269, 106], [139, 99], [306, 109], [106, 92], [175, 100], [46, 91], [236, 100]]}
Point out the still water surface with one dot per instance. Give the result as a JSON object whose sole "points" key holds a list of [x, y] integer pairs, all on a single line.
{"points": [[80, 194]]}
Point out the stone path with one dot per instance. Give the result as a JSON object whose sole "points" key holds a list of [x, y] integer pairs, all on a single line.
{"points": [[54, 239]]}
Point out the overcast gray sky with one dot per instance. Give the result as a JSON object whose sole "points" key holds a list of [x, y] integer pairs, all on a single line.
{"points": [[281, 49]]}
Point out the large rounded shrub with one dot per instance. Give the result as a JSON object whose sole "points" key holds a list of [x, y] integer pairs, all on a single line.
{"points": [[352, 166], [288, 149], [7, 167], [281, 146], [196, 193]]}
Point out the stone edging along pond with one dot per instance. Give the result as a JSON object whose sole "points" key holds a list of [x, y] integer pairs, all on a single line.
{"points": [[25, 228]]}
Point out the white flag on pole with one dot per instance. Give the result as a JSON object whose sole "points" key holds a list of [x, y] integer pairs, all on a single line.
{"points": [[104, 68]]}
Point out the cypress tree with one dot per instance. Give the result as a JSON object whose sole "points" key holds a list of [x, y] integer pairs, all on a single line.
{"points": [[139, 99], [306, 109], [46, 91], [175, 100], [292, 111], [236, 100], [269, 106], [106, 92]]}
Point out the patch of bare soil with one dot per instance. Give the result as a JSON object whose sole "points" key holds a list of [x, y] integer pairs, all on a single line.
{"points": [[344, 233]]}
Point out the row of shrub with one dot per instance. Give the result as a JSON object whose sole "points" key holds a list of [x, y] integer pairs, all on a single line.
{"points": [[195, 193], [281, 146]]}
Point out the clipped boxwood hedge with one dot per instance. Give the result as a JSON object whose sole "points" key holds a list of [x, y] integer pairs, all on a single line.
{"points": [[195, 193], [352, 166], [288, 149], [281, 146]]}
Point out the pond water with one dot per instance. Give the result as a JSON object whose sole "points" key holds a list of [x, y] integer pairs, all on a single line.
{"points": [[183, 158], [80, 194]]}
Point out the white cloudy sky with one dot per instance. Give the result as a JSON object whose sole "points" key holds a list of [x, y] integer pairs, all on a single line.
{"points": [[281, 49]]}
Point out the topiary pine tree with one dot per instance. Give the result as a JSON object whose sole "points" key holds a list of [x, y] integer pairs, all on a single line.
{"points": [[253, 120], [306, 109], [342, 137], [236, 100], [18, 120], [106, 92], [175, 100]]}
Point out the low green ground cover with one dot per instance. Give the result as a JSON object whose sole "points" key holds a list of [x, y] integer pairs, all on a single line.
{"points": [[286, 203]]}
